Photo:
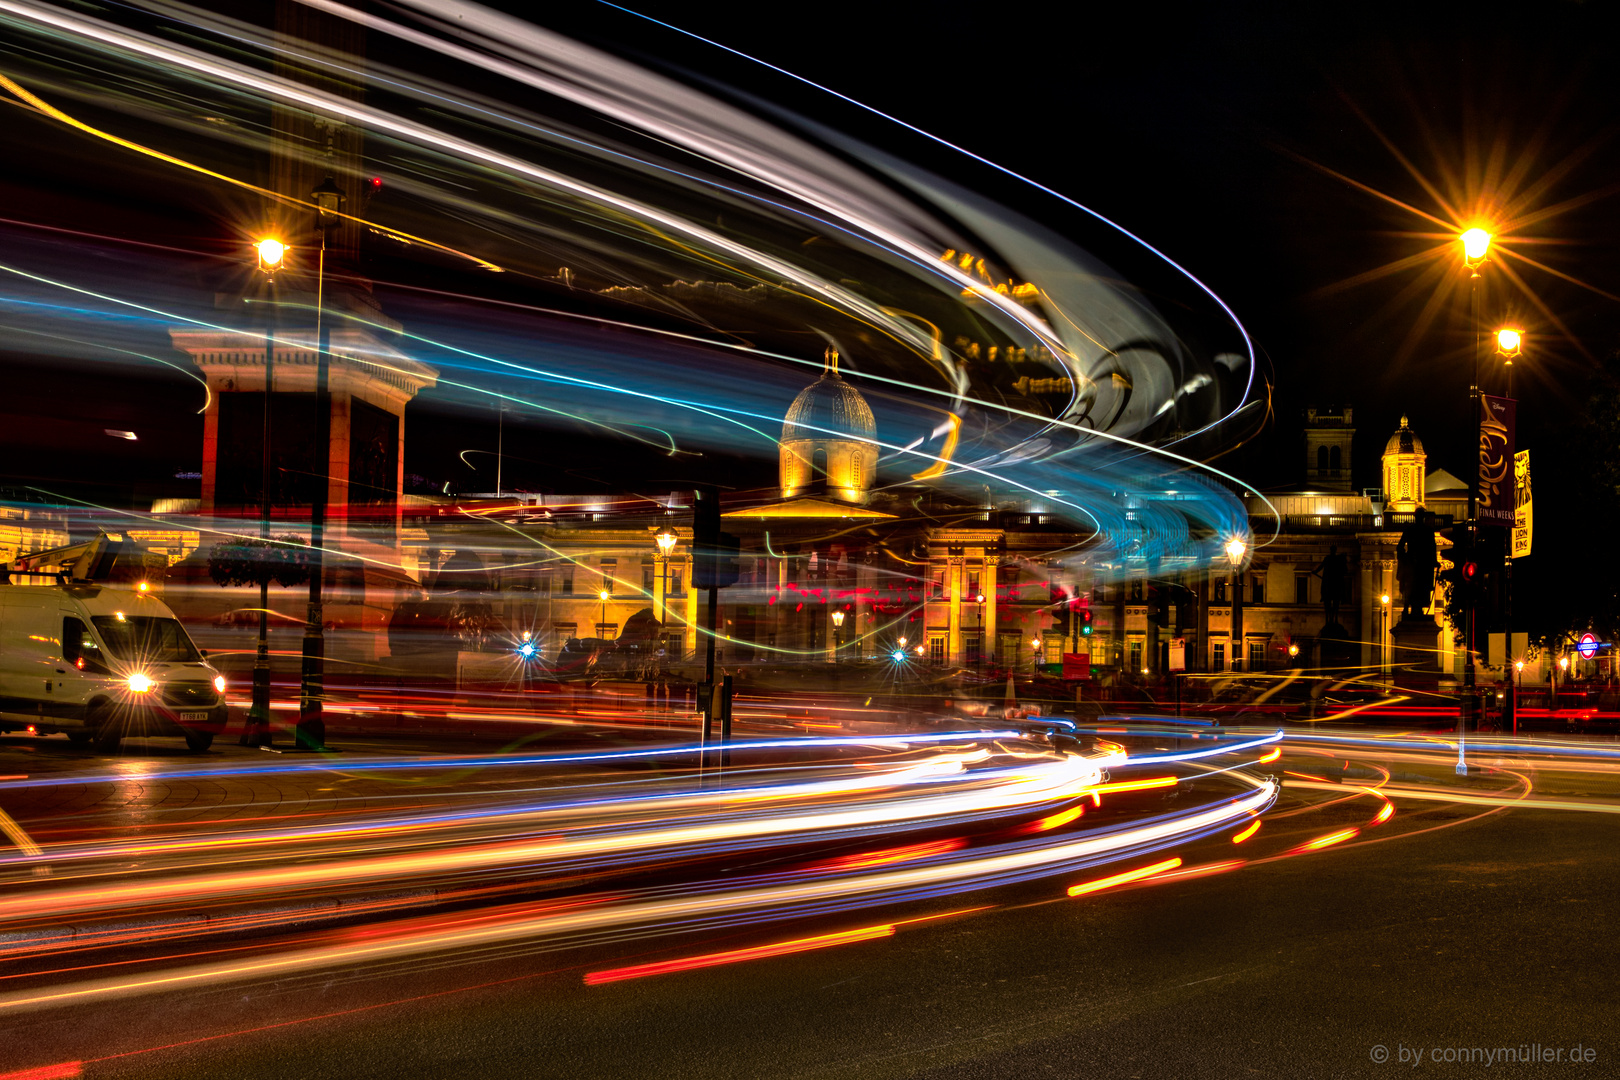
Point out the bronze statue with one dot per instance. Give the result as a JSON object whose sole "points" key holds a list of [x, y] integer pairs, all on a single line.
{"points": [[1416, 560], [1334, 571]]}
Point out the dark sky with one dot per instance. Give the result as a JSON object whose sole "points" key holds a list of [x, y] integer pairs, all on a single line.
{"points": [[1192, 126], [1195, 126]]}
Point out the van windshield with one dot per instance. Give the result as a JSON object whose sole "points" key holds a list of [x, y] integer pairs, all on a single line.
{"points": [[146, 638]]}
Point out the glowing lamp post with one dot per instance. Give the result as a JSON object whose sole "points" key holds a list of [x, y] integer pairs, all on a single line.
{"points": [[272, 254], [1383, 635], [838, 634], [601, 624], [1236, 548], [665, 542]]}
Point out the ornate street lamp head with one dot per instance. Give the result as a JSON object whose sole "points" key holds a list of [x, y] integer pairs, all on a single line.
{"points": [[272, 253]]}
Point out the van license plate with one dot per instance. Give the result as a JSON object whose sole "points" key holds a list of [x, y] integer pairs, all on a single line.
{"points": [[194, 718]]}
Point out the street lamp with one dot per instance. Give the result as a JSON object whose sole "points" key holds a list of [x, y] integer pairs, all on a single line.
{"points": [[1034, 655], [1518, 679], [601, 624], [666, 543], [1476, 244], [1383, 635], [272, 254], [838, 632], [1236, 548]]}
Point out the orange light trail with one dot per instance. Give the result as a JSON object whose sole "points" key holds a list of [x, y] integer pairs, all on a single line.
{"points": [[1246, 833], [47, 1072], [1135, 785], [1124, 879], [866, 859], [1057, 820], [1329, 840], [1273, 756], [735, 956], [1385, 814]]}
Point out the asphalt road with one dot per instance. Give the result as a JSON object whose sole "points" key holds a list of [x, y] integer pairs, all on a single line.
{"points": [[1494, 932]]}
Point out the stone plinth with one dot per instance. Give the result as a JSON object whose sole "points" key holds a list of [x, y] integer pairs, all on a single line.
{"points": [[1416, 660]]}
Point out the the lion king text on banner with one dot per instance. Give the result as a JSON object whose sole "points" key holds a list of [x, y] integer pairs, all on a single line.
{"points": [[1495, 460], [1524, 521]]}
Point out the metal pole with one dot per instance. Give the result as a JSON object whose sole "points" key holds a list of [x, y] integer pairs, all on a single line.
{"points": [[1507, 598], [707, 695], [1466, 711], [256, 732], [311, 731]]}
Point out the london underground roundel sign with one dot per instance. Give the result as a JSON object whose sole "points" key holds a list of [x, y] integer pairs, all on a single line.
{"points": [[1588, 646]]}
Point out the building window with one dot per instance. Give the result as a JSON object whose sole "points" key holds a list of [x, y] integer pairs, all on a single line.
{"points": [[1258, 586], [1217, 594], [1321, 459], [973, 585], [1136, 592], [1136, 657], [1217, 656], [855, 477], [565, 580], [607, 631], [1335, 461], [937, 585], [973, 646], [936, 648], [1257, 656], [677, 582], [1302, 588], [566, 631], [647, 579]]}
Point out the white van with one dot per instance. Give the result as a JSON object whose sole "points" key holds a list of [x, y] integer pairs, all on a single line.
{"points": [[98, 664]]}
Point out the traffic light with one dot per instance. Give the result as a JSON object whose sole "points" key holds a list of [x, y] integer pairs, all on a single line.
{"points": [[1159, 605], [714, 553], [1085, 622]]}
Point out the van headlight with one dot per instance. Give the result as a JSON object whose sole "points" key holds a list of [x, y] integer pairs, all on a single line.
{"points": [[139, 683], [219, 684]]}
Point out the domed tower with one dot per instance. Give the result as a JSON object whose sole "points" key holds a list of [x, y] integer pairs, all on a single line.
{"points": [[827, 443], [1405, 466]]}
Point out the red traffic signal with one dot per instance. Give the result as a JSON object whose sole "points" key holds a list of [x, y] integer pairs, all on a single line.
{"points": [[1470, 570]]}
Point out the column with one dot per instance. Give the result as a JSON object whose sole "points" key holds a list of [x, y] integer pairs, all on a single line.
{"points": [[955, 583], [660, 576], [990, 584], [690, 645]]}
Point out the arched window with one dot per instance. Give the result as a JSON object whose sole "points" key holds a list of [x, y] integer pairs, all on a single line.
{"points": [[1321, 459], [1336, 461], [818, 462]]}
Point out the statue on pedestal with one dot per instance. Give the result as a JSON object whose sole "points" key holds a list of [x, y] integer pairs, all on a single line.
{"points": [[1416, 560], [1334, 571]]}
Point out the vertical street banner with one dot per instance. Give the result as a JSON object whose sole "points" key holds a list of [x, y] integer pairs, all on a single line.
{"points": [[1524, 522], [1495, 483]]}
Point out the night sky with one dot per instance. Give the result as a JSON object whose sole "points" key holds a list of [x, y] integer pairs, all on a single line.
{"points": [[1194, 128]]}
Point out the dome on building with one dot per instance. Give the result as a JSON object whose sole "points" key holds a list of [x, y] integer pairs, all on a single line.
{"points": [[1405, 467], [1404, 441], [829, 408], [828, 442]]}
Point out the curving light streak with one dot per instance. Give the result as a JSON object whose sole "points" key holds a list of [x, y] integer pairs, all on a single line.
{"points": [[706, 907]]}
